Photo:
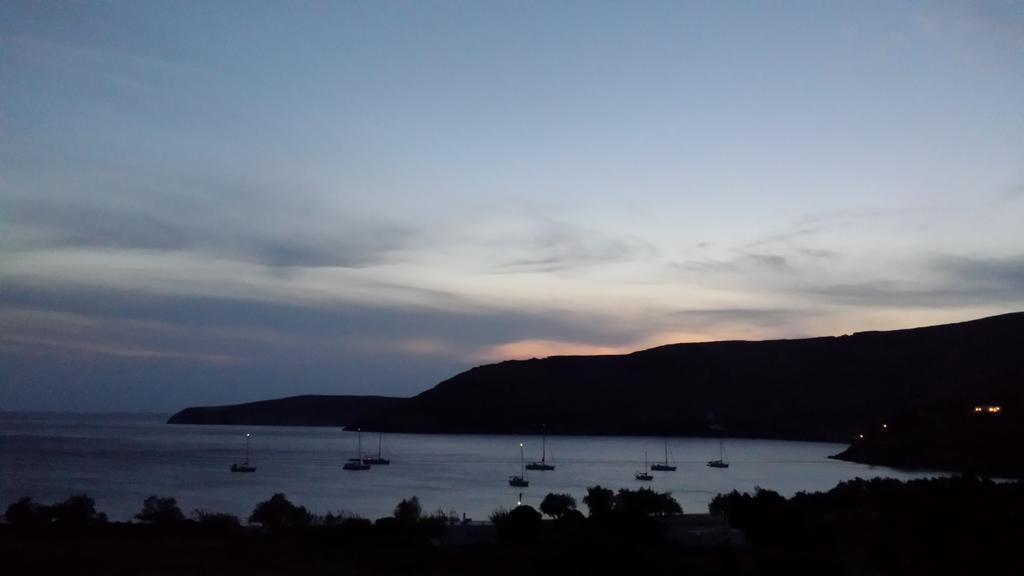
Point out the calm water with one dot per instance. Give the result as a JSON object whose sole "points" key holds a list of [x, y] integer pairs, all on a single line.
{"points": [[121, 459]]}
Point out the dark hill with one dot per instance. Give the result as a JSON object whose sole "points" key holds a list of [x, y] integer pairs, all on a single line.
{"points": [[292, 411], [829, 388]]}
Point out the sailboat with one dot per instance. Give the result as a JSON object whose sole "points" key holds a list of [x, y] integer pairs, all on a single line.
{"points": [[357, 463], [379, 459], [721, 462], [519, 481], [644, 476], [542, 465], [244, 466], [664, 466]]}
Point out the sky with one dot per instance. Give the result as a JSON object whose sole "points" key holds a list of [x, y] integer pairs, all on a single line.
{"points": [[207, 203]]}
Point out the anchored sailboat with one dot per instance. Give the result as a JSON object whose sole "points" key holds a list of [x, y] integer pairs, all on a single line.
{"points": [[542, 465], [357, 463], [721, 462], [664, 466], [244, 466], [644, 476], [519, 481], [379, 459]]}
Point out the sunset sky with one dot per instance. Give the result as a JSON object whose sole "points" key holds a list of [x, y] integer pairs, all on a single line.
{"points": [[214, 202]]}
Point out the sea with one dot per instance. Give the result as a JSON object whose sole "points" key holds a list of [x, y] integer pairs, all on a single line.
{"points": [[120, 459]]}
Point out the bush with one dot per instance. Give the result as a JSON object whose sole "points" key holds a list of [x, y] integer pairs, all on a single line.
{"points": [[336, 518], [160, 512], [499, 515], [217, 523], [216, 519]]}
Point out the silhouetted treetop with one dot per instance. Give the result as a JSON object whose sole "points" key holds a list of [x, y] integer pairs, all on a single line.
{"points": [[160, 511], [278, 512]]}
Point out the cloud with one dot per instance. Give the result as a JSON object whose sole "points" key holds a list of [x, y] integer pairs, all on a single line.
{"points": [[945, 281], [22, 344], [457, 330], [35, 332], [744, 263], [715, 317], [996, 277], [222, 218], [819, 253], [546, 245]]}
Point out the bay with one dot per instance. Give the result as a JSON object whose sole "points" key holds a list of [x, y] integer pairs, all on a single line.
{"points": [[120, 459]]}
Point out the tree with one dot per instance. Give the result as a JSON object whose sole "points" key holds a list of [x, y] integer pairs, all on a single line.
{"points": [[77, 512], [646, 502], [278, 513], [522, 525], [160, 512], [599, 501], [408, 511], [557, 505], [25, 513]]}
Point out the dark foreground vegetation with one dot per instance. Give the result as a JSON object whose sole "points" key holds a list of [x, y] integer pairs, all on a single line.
{"points": [[941, 526], [960, 525]]}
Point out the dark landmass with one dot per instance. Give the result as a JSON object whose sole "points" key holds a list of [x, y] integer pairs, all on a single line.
{"points": [[946, 437], [961, 525], [830, 388], [924, 381], [307, 410]]}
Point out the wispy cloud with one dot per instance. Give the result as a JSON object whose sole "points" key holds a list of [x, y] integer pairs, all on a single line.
{"points": [[547, 245], [743, 263], [251, 225], [944, 281], [33, 331]]}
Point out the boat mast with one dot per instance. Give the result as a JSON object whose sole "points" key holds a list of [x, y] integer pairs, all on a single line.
{"points": [[666, 451], [380, 442], [360, 432], [246, 448], [544, 448], [522, 470]]}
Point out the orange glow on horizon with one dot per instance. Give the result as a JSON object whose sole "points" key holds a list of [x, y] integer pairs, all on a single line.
{"points": [[539, 348]]}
